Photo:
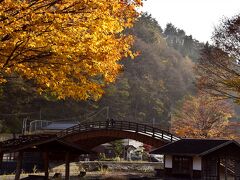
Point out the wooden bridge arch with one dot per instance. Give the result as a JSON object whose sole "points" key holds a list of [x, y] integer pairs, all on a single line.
{"points": [[92, 134]]}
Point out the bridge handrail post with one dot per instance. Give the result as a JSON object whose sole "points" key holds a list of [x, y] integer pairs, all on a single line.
{"points": [[136, 127], [171, 138], [153, 131], [87, 126], [59, 134], [106, 124]]}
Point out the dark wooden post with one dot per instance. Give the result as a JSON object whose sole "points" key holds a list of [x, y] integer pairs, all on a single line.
{"points": [[1, 161], [67, 164], [46, 164], [226, 166], [19, 165], [218, 167]]}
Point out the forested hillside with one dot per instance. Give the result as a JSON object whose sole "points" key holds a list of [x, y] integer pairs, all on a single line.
{"points": [[147, 90], [150, 85]]}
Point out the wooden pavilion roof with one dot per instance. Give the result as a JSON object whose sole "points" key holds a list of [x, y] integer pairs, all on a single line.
{"points": [[193, 147], [40, 142]]}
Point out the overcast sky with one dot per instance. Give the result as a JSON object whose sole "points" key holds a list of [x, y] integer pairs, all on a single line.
{"points": [[196, 17]]}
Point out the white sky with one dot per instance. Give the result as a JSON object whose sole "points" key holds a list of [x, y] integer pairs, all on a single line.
{"points": [[195, 17]]}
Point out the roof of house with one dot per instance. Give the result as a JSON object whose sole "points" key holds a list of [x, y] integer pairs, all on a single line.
{"points": [[59, 125], [192, 147]]}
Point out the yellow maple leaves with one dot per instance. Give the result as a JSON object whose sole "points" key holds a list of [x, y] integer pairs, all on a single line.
{"points": [[68, 47]]}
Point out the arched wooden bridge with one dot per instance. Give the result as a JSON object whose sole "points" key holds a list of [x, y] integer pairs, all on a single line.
{"points": [[91, 134]]}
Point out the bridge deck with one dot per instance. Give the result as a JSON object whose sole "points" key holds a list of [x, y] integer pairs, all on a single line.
{"points": [[135, 127]]}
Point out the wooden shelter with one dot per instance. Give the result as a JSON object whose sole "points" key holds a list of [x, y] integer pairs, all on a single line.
{"points": [[201, 159], [48, 146]]}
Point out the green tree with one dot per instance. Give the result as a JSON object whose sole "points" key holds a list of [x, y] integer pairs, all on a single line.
{"points": [[117, 147]]}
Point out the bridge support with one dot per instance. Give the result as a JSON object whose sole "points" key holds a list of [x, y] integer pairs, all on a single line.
{"points": [[46, 164], [19, 165], [67, 166]]}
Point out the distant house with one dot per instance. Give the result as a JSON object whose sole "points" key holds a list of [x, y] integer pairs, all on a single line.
{"points": [[48, 127], [128, 149], [129, 146], [201, 159]]}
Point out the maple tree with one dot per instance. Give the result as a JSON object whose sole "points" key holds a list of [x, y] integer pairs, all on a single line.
{"points": [[70, 48], [147, 147], [202, 117]]}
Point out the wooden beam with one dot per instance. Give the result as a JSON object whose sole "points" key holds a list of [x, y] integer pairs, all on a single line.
{"points": [[67, 166], [19, 165], [46, 164]]}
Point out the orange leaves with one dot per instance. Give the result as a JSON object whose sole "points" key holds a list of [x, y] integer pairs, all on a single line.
{"points": [[202, 117], [70, 48]]}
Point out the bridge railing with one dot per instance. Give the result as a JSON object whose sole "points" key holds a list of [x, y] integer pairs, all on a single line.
{"points": [[135, 127]]}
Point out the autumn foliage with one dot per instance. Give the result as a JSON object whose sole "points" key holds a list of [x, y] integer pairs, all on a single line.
{"points": [[70, 48], [218, 68], [203, 117]]}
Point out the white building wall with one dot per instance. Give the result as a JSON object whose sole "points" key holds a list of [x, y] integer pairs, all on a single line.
{"points": [[132, 142], [168, 161], [197, 163]]}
